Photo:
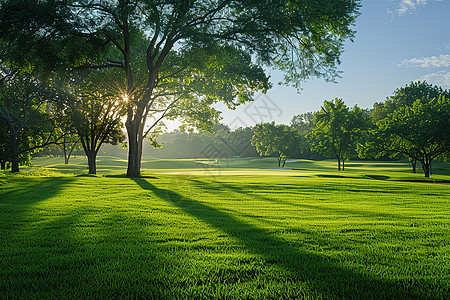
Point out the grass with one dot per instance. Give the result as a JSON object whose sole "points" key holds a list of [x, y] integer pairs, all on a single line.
{"points": [[108, 165], [225, 237]]}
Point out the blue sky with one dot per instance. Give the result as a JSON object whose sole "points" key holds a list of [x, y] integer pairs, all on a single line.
{"points": [[397, 41]]}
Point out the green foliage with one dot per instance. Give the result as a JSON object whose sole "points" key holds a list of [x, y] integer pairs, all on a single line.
{"points": [[279, 140], [420, 131], [337, 130], [405, 97], [304, 124], [25, 118], [190, 53]]}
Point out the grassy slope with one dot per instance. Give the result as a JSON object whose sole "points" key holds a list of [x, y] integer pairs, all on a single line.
{"points": [[224, 237]]}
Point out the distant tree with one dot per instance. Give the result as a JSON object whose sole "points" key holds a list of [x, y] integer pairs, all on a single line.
{"points": [[240, 141], [337, 130], [217, 127], [304, 125], [69, 143], [280, 140], [25, 117], [420, 131]]}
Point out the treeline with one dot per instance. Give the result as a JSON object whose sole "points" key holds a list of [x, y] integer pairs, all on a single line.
{"points": [[413, 123]]}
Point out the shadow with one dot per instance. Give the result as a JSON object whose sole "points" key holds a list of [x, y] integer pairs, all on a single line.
{"points": [[81, 249], [125, 176], [19, 191], [19, 194], [378, 177], [330, 176], [321, 275]]}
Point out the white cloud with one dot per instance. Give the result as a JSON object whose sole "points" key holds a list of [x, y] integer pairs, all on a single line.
{"points": [[440, 61], [409, 6], [441, 79]]}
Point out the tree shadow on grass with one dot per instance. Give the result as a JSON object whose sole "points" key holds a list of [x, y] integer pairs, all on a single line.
{"points": [[324, 277], [77, 249]]}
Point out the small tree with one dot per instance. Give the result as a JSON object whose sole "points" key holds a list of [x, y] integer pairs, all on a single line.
{"points": [[95, 110], [337, 130], [280, 140]]}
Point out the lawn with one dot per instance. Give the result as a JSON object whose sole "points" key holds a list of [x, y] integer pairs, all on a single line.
{"points": [[305, 234]]}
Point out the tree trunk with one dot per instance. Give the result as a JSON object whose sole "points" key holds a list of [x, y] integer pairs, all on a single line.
{"points": [[426, 166], [66, 160], [339, 163], [3, 164], [279, 161], [14, 152], [91, 155], [133, 151], [284, 162], [343, 164], [413, 163], [426, 170]]}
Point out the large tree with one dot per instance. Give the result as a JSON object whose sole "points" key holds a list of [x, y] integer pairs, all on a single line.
{"points": [[420, 131], [179, 56], [405, 97], [401, 98]]}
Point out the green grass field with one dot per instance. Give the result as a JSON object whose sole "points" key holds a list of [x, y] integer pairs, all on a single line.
{"points": [[206, 233]]}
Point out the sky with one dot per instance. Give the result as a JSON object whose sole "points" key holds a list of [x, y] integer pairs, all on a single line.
{"points": [[396, 42]]}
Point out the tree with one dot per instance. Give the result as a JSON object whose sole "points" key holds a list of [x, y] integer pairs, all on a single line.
{"points": [[94, 110], [337, 130], [25, 118], [304, 125], [69, 143], [405, 97], [5, 152], [421, 132], [179, 57], [280, 140]]}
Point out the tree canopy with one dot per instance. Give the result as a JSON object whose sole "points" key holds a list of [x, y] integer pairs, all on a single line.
{"points": [[405, 97]]}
